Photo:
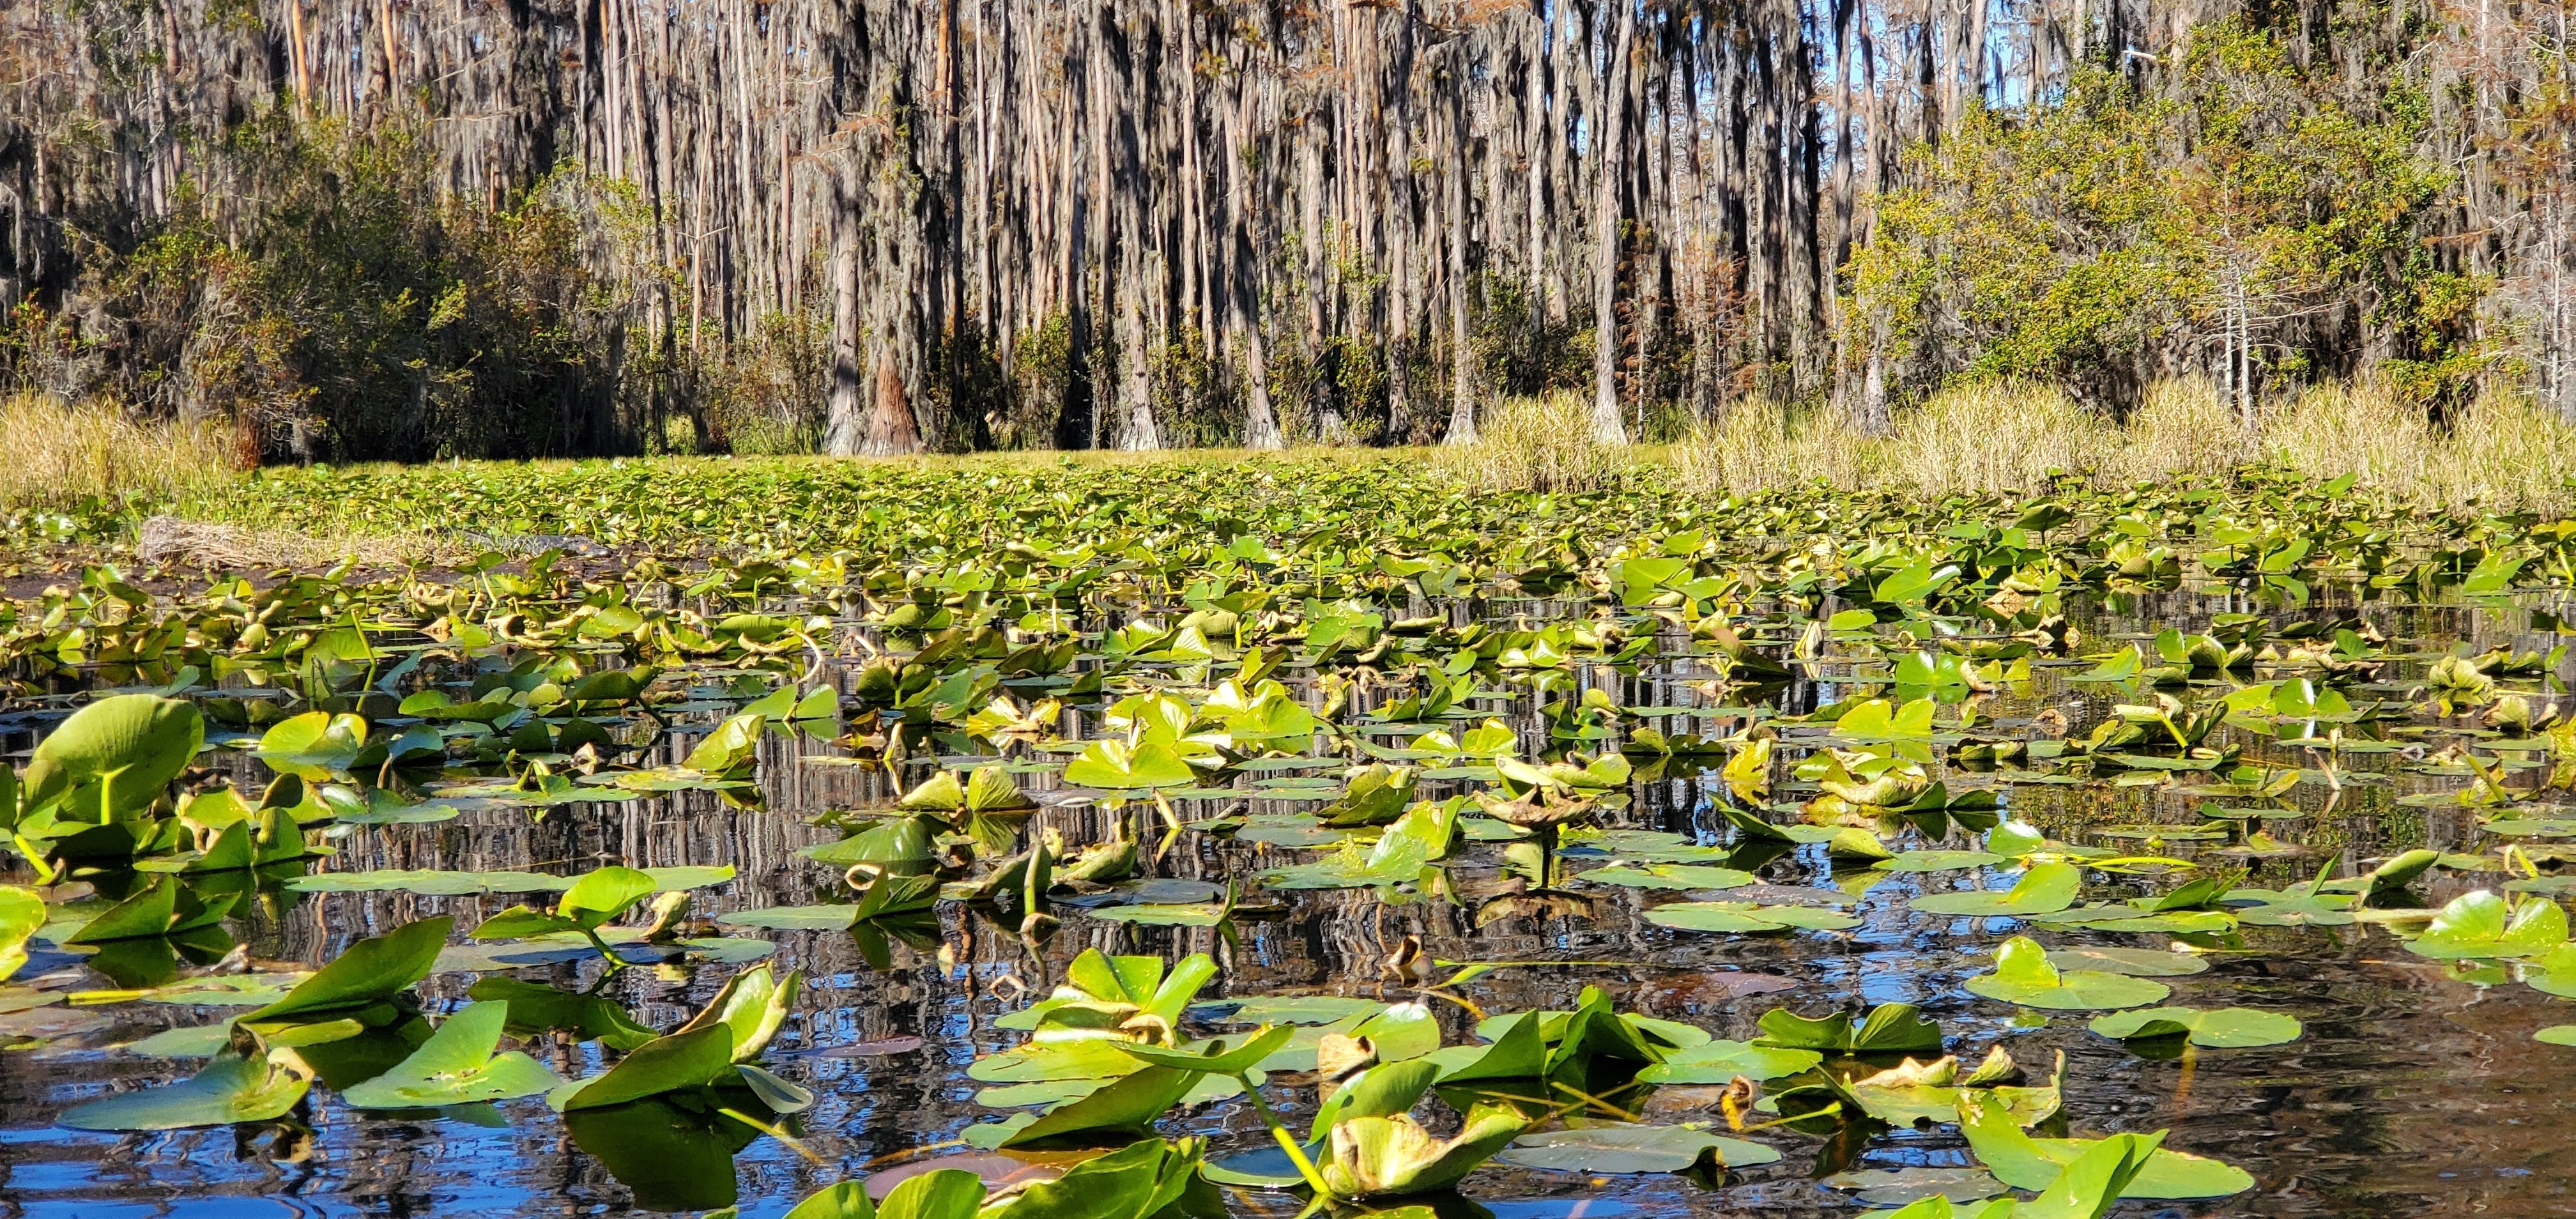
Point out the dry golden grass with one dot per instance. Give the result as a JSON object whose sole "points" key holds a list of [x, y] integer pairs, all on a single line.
{"points": [[1539, 444], [53, 452], [2502, 452]]}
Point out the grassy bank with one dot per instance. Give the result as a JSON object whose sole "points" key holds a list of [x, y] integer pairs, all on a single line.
{"points": [[110, 474], [2498, 453], [55, 454]]}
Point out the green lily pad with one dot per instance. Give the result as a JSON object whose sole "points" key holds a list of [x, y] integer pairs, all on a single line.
{"points": [[2023, 976], [1288, 1009], [836, 917], [458, 1066], [2136, 962], [368, 973], [1668, 876], [2225, 1028], [1889, 1029], [247, 1083], [431, 882], [1748, 917], [2023, 1162], [2480, 923], [1717, 1062], [2044, 888], [1618, 1147], [1898, 1186], [1940, 861]]}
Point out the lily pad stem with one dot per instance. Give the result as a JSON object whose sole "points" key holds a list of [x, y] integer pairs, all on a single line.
{"points": [[1287, 1141]]}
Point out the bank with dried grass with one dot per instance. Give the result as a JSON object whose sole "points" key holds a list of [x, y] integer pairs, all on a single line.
{"points": [[55, 454], [2499, 451]]}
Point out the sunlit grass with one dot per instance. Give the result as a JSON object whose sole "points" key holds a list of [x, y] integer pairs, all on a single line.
{"points": [[1541, 444], [56, 453], [2501, 452]]}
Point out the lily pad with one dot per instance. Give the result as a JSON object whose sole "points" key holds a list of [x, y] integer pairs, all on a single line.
{"points": [[2225, 1028], [1748, 917], [1668, 876], [245, 1083], [2024, 976], [2023, 1162], [368, 973], [1619, 1147], [2136, 962], [2044, 888], [2481, 923], [458, 1066], [1940, 861], [1718, 1062]]}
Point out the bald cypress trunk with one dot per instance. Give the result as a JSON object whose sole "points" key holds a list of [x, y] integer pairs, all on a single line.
{"points": [[1607, 427], [900, 224]]}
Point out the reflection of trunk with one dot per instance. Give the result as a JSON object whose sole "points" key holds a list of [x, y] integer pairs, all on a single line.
{"points": [[1606, 425], [891, 430]]}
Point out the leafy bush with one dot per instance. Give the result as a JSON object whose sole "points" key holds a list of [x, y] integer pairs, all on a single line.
{"points": [[361, 311], [2112, 237]]}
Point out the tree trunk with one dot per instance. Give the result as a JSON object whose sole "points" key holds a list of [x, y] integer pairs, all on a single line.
{"points": [[1607, 427], [845, 424], [892, 431], [1462, 388]]}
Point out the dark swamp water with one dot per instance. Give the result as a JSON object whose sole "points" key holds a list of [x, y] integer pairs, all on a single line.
{"points": [[2416, 1089]]}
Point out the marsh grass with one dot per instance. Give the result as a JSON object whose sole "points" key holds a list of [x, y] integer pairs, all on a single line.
{"points": [[2500, 452], [55, 453], [1541, 444]]}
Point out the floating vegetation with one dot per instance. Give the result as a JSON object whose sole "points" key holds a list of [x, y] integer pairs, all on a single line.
{"points": [[1131, 833]]}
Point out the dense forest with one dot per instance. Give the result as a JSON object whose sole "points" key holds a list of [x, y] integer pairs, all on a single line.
{"points": [[417, 228]]}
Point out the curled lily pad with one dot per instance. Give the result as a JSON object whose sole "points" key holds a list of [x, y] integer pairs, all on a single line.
{"points": [[247, 1082], [164, 906], [589, 903], [691, 1059], [1123, 1106], [2023, 975], [133, 743], [1393, 1156], [2024, 1162], [356, 982], [2225, 1028], [2481, 923], [2044, 888], [1888, 1029], [458, 1065], [1620, 1147]]}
